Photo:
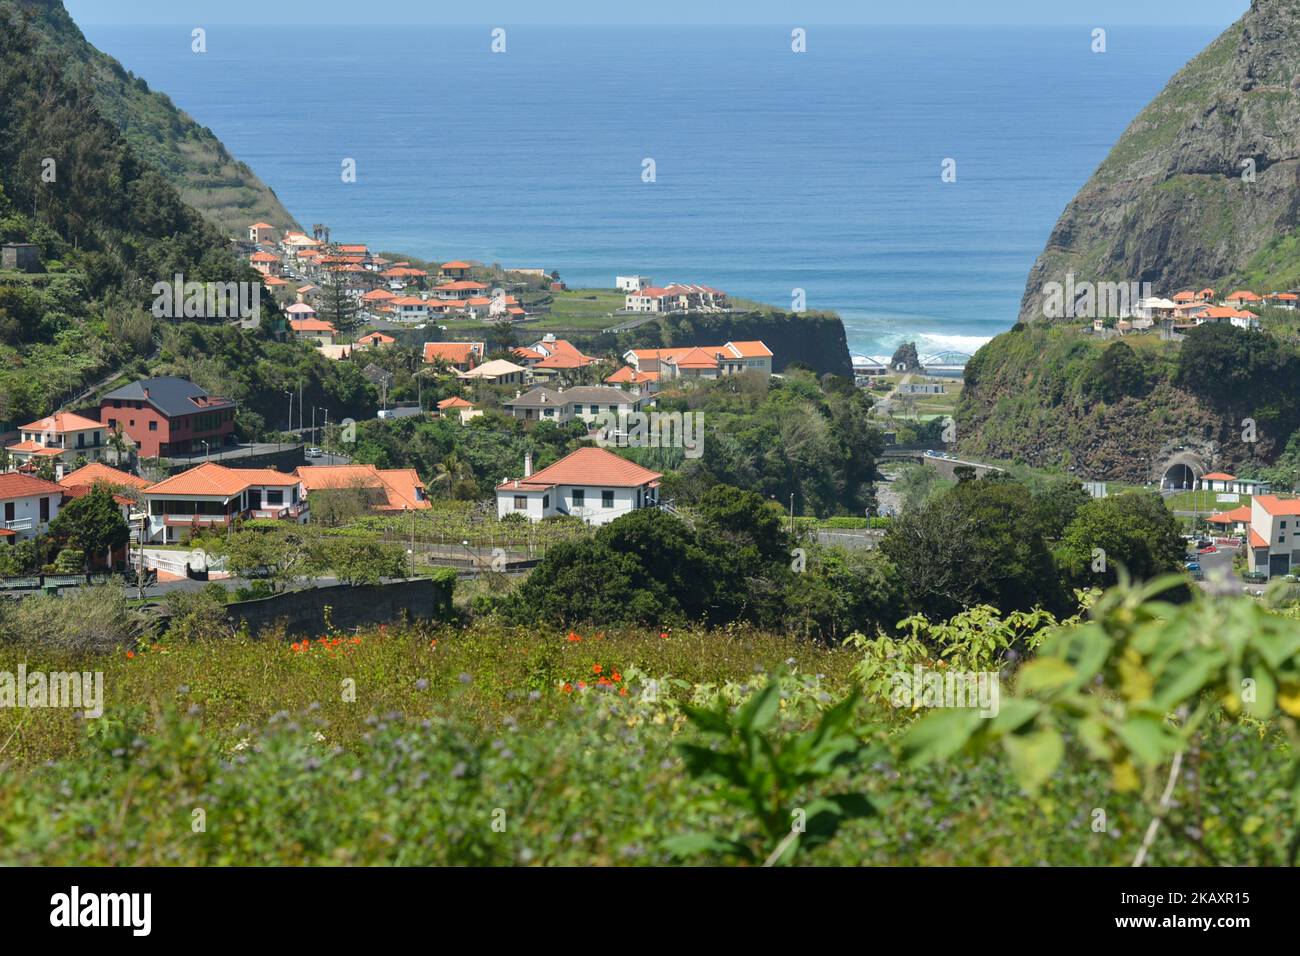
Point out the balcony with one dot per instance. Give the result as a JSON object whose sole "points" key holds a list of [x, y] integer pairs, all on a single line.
{"points": [[21, 524], [177, 521], [280, 512]]}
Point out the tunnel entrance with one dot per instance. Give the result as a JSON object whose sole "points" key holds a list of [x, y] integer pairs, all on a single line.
{"points": [[1179, 477]]}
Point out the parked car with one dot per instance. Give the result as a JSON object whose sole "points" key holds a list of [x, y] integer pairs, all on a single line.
{"points": [[1209, 550], [314, 452]]}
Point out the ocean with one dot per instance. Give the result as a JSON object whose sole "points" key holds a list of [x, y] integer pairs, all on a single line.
{"points": [[774, 171]]}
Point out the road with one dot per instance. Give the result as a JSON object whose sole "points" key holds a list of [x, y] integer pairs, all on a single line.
{"points": [[882, 405]]}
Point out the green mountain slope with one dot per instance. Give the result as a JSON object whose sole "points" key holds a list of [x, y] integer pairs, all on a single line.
{"points": [[194, 161], [1173, 204]]}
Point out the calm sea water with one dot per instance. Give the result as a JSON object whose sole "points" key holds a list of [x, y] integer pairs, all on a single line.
{"points": [[774, 170]]}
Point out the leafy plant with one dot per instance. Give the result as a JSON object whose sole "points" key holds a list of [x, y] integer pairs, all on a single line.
{"points": [[1135, 688], [765, 772]]}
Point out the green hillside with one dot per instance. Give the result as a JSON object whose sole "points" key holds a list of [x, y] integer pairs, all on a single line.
{"points": [[189, 155]]}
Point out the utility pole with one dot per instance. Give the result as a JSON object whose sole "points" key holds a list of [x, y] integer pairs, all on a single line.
{"points": [[412, 510], [139, 577], [289, 427]]}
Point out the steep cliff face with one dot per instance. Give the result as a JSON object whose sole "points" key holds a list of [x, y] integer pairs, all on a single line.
{"points": [[193, 160], [1204, 186]]}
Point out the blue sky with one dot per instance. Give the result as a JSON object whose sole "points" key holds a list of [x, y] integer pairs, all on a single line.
{"points": [[1217, 13]]}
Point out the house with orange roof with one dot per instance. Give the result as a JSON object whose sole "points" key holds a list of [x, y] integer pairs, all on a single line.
{"points": [[1223, 482], [377, 300], [124, 486], [59, 438], [266, 263], [374, 340], [456, 269], [409, 308], [28, 504], [446, 307], [260, 233], [313, 330], [1234, 521], [676, 297], [527, 357], [628, 377], [461, 356], [1272, 547], [1242, 298], [460, 407], [1182, 298], [460, 289], [214, 496], [703, 361], [389, 489], [591, 483], [1206, 295], [1283, 300]]}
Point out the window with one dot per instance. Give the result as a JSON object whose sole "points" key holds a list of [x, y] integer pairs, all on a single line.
{"points": [[153, 426], [595, 409], [546, 502], [274, 497], [112, 423], [579, 497], [607, 499], [9, 511], [45, 510], [521, 502]]}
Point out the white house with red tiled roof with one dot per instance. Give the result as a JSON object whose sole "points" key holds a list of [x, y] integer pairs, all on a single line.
{"points": [[313, 330], [703, 361], [1273, 545], [214, 496], [593, 484], [462, 356], [675, 298], [59, 438], [389, 489], [261, 232], [1221, 481], [28, 505], [266, 263]]}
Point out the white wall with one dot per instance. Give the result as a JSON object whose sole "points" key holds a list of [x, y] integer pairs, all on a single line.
{"points": [[29, 510]]}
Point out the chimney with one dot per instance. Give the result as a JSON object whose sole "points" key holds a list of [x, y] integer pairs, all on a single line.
{"points": [[528, 464]]}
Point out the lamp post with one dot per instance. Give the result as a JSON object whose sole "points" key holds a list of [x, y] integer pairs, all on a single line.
{"points": [[289, 427]]}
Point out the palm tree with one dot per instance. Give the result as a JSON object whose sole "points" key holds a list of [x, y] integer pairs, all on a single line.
{"points": [[117, 441], [451, 470]]}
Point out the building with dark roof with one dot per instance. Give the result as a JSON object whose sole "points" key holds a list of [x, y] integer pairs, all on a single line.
{"points": [[169, 416]]}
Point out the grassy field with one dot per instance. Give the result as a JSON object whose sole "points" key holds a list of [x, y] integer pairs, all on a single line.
{"points": [[1204, 502], [404, 745]]}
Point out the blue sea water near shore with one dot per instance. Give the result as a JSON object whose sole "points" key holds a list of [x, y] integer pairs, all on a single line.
{"points": [[774, 170]]}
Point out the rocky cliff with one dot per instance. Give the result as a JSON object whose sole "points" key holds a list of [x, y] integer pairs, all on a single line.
{"points": [[1204, 186]]}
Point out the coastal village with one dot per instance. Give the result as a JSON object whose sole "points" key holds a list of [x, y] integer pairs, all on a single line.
{"points": [[168, 449], [1188, 309]]}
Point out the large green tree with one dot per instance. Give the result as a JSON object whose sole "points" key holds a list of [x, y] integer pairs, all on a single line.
{"points": [[1133, 530], [92, 523]]}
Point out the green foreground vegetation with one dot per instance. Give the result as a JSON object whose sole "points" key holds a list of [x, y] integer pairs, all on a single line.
{"points": [[428, 745]]}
